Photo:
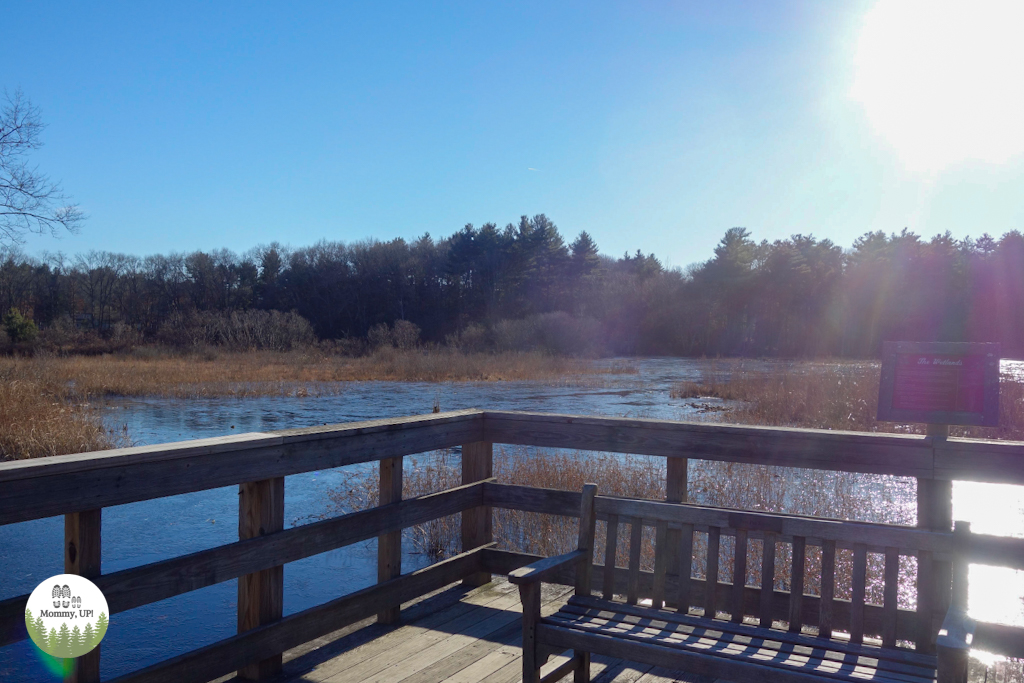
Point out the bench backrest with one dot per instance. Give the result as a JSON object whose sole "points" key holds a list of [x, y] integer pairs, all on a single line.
{"points": [[780, 544]]}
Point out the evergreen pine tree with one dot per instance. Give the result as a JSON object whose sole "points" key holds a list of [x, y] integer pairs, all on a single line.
{"points": [[64, 642], [30, 625], [41, 630], [77, 642], [101, 626], [51, 641], [88, 637]]}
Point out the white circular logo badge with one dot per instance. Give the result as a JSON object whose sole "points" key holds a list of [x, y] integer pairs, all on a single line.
{"points": [[66, 616]]}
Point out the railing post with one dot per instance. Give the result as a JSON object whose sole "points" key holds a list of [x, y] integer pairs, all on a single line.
{"points": [[477, 464], [675, 492], [261, 594], [82, 549], [935, 512], [389, 545]]}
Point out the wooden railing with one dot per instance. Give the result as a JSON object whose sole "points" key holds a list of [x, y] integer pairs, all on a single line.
{"points": [[79, 486]]}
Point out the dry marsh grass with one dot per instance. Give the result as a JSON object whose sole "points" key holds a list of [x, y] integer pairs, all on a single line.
{"points": [[829, 494], [841, 396], [40, 417], [45, 400], [294, 373]]}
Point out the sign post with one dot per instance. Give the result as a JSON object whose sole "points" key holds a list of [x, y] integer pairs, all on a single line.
{"points": [[938, 384]]}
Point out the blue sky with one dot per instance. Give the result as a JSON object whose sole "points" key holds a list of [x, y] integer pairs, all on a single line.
{"points": [[651, 125]]}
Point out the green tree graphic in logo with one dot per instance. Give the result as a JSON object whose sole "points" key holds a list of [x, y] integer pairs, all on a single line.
{"points": [[66, 616]]}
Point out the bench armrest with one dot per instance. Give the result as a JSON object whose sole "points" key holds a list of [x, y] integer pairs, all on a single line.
{"points": [[957, 632], [542, 569]]}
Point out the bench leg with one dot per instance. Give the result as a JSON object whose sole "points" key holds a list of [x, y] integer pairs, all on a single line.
{"points": [[529, 593], [582, 672]]}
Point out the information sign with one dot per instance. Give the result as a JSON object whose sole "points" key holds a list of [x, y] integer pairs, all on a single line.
{"points": [[939, 383]]}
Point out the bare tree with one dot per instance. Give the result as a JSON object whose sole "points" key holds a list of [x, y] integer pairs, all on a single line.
{"points": [[29, 201]]}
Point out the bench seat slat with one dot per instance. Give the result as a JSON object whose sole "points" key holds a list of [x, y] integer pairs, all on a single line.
{"points": [[712, 642], [771, 653], [671, 658], [584, 605]]}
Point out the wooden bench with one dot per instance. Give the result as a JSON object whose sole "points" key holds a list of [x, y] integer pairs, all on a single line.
{"points": [[744, 633]]}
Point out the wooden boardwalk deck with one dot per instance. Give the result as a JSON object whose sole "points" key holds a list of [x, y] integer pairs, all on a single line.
{"points": [[462, 635]]}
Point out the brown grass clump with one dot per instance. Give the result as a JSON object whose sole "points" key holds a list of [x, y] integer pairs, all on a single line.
{"points": [[152, 372], [840, 396], [40, 417]]}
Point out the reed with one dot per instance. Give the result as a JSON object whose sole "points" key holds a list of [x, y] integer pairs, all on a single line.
{"points": [[752, 487], [309, 372], [40, 417], [832, 395]]}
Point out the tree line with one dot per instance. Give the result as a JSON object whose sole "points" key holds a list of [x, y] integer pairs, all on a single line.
{"points": [[66, 643], [524, 286]]}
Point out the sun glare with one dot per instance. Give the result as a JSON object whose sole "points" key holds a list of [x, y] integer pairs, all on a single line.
{"points": [[942, 81]]}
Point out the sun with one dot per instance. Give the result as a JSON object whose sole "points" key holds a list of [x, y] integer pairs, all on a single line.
{"points": [[943, 82]]}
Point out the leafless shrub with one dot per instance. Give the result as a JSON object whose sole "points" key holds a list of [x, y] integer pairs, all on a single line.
{"points": [[252, 330]]}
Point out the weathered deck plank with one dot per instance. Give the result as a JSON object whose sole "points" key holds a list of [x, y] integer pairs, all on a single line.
{"points": [[467, 636]]}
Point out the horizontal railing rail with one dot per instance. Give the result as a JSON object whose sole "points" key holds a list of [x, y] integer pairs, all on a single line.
{"points": [[902, 455], [138, 586], [43, 487], [79, 486]]}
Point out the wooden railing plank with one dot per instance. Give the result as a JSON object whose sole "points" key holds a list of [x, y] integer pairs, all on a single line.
{"points": [[900, 455], [130, 588], [42, 487], [895, 454]]}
